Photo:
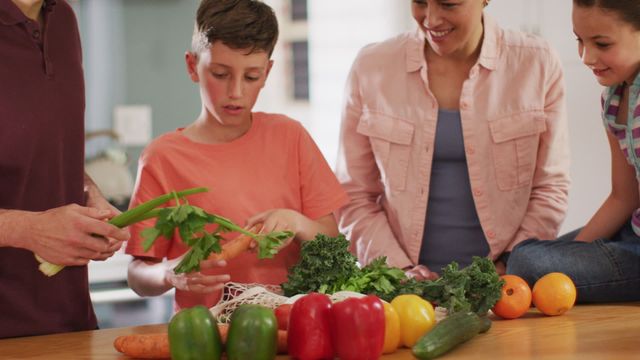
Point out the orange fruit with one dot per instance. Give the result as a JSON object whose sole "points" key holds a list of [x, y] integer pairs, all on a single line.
{"points": [[516, 298], [554, 294]]}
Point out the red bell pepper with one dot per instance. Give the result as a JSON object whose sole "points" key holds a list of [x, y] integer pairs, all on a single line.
{"points": [[357, 327], [309, 334]]}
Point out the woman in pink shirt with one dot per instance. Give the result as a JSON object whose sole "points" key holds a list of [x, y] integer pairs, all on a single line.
{"points": [[453, 142]]}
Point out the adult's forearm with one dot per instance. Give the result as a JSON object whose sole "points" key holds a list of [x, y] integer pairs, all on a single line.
{"points": [[325, 225], [542, 221], [371, 235], [13, 224], [609, 218]]}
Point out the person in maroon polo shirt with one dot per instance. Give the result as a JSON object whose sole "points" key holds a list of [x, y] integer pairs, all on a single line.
{"points": [[48, 205]]}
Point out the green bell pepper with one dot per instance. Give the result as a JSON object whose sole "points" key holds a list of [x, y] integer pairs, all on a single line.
{"points": [[194, 335], [253, 334]]}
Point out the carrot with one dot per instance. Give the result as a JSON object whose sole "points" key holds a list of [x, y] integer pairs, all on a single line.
{"points": [[282, 342], [144, 346], [156, 345], [235, 246]]}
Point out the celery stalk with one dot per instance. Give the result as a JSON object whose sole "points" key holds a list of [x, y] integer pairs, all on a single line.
{"points": [[48, 268]]}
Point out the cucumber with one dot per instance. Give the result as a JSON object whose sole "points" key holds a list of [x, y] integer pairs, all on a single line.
{"points": [[449, 333]]}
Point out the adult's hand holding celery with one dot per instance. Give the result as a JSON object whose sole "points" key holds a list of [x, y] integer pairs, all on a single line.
{"points": [[64, 234], [104, 229]]}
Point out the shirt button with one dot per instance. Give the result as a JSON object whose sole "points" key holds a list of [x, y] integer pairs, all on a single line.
{"points": [[470, 150], [491, 234], [477, 192], [36, 34], [464, 105]]}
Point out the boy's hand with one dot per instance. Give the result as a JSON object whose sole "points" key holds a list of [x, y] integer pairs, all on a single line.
{"points": [[197, 282], [279, 220]]}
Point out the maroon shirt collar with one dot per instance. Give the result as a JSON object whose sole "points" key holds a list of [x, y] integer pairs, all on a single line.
{"points": [[11, 15]]}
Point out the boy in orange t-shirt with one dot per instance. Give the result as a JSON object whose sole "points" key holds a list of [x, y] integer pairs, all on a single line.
{"points": [[259, 167]]}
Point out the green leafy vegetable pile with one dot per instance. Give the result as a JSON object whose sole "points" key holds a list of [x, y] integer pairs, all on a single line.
{"points": [[327, 266]]}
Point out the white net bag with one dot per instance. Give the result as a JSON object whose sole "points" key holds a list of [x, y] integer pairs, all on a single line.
{"points": [[236, 294]]}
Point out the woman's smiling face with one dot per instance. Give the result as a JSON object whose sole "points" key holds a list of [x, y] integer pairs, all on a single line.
{"points": [[450, 26]]}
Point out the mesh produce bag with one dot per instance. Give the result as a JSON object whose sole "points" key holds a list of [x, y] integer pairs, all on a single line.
{"points": [[236, 294]]}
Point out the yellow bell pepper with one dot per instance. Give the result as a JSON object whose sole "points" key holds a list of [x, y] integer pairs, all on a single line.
{"points": [[391, 329], [416, 315]]}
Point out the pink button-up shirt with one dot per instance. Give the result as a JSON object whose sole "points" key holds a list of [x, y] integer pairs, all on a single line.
{"points": [[515, 136]]}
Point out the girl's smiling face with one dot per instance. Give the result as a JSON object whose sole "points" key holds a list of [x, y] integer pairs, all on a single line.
{"points": [[607, 44]]}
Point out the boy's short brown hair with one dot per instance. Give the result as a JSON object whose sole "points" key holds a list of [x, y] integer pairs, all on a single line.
{"points": [[239, 24]]}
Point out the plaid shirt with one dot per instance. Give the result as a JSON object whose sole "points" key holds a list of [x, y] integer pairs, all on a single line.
{"points": [[628, 135]]}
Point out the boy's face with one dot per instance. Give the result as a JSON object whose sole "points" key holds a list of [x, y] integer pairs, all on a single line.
{"points": [[609, 46], [230, 81]]}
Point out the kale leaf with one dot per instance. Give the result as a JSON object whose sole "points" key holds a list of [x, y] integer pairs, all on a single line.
{"points": [[475, 288], [325, 265]]}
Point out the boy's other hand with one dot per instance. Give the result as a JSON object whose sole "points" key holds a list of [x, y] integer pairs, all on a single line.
{"points": [[279, 220], [197, 282]]}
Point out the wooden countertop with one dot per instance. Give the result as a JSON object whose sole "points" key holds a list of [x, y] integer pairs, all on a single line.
{"points": [[586, 332]]}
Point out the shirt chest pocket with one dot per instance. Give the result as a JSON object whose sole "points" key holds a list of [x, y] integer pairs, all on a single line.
{"points": [[515, 141], [390, 140]]}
